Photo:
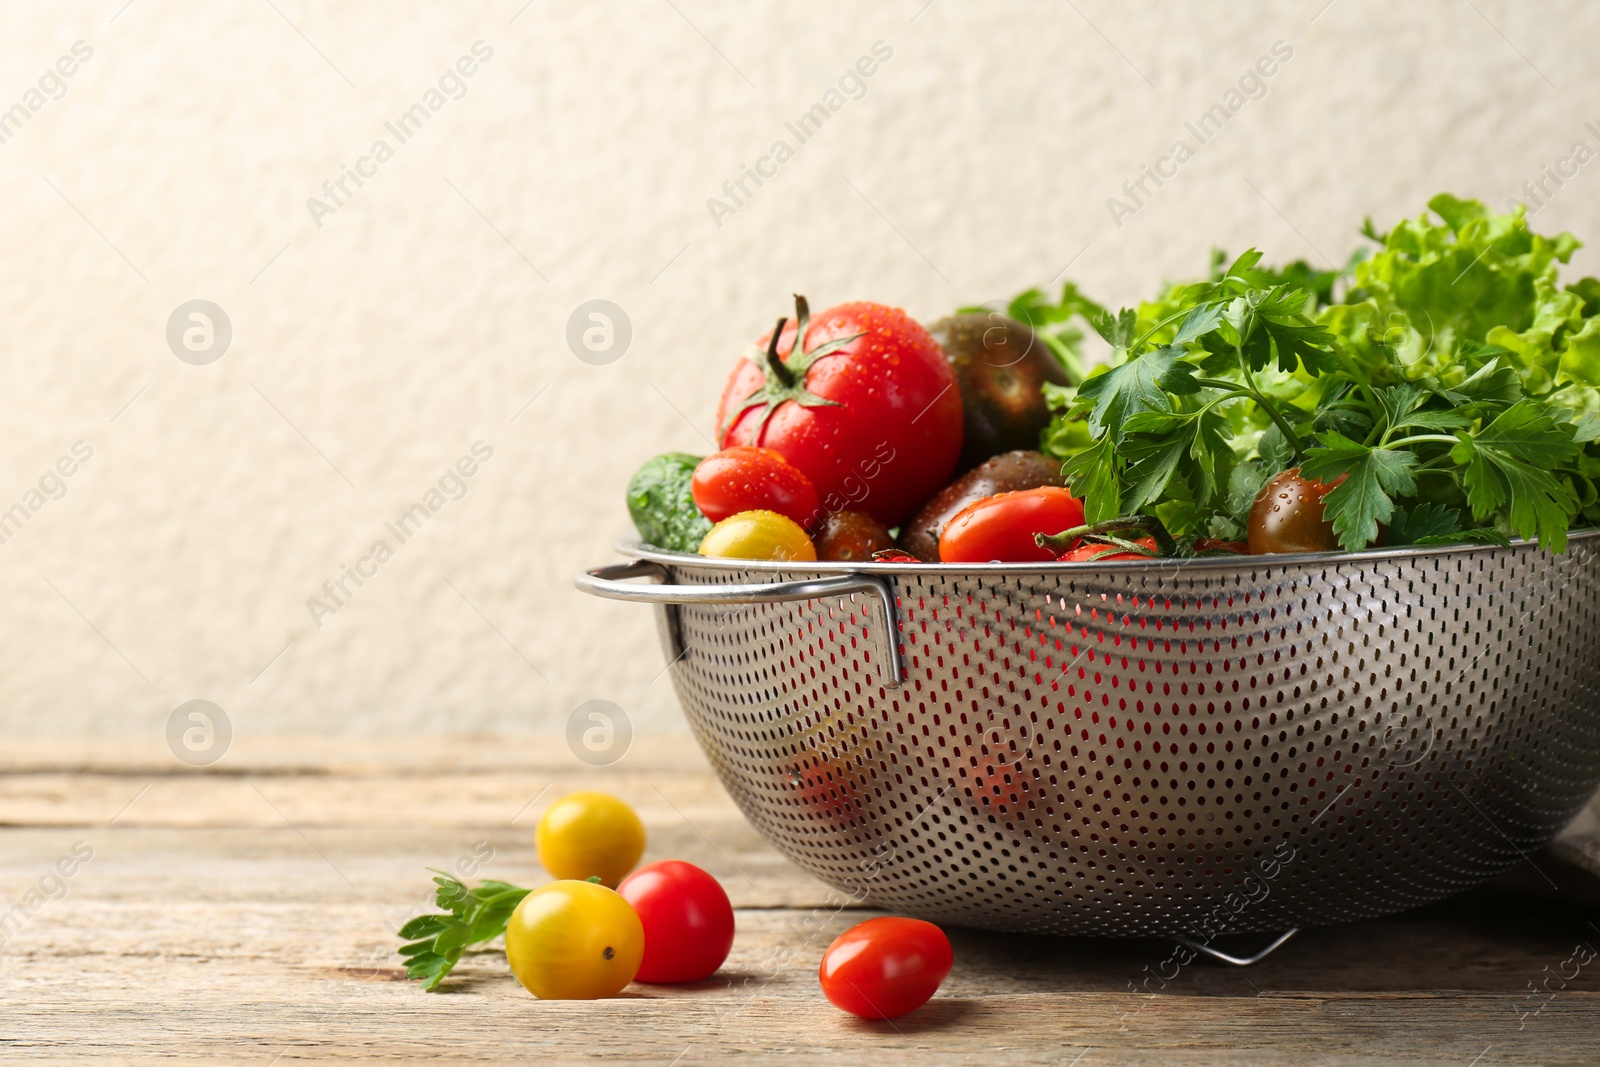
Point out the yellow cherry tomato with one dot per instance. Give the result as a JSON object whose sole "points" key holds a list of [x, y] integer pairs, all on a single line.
{"points": [[574, 941], [590, 835], [758, 535]]}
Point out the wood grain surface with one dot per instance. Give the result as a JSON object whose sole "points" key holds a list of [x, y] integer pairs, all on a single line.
{"points": [[244, 913]]}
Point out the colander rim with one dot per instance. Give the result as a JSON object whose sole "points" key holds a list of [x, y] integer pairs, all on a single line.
{"points": [[634, 548]]}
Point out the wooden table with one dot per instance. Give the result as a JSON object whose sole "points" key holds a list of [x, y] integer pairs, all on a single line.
{"points": [[245, 913]]}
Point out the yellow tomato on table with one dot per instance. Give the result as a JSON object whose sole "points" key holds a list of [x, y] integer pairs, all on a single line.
{"points": [[590, 835], [574, 940]]}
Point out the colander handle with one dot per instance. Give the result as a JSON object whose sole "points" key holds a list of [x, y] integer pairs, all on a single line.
{"points": [[611, 583]]}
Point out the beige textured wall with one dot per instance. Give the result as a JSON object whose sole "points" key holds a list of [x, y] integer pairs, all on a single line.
{"points": [[370, 352]]}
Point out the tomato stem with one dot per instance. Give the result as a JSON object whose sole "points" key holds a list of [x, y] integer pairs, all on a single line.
{"points": [[775, 363], [1165, 545]]}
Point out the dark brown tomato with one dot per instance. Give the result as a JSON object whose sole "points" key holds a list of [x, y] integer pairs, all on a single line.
{"points": [[1000, 366], [1288, 516], [1000, 474], [851, 537]]}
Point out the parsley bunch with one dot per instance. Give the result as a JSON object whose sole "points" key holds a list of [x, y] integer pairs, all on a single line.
{"points": [[471, 917], [1447, 377]]}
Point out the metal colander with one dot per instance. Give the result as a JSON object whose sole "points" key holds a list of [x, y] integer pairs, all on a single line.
{"points": [[1181, 748]]}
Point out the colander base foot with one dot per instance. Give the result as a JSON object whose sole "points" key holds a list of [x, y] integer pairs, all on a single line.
{"points": [[1241, 961]]}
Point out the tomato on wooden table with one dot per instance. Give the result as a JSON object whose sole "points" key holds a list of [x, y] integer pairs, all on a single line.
{"points": [[1001, 528], [884, 968], [744, 478], [688, 921], [573, 940], [589, 835]]}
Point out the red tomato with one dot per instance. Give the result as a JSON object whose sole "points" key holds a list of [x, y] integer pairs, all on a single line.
{"points": [[868, 407], [688, 921], [753, 479], [894, 555], [1001, 528], [883, 968], [1091, 552]]}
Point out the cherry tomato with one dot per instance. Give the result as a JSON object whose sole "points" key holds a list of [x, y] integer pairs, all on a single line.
{"points": [[758, 535], [745, 478], [574, 941], [883, 968], [1099, 552], [587, 835], [1001, 528], [851, 537], [894, 555], [821, 784], [688, 921], [1287, 516]]}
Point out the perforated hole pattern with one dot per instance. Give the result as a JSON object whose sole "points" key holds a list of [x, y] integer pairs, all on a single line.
{"points": [[1138, 750]]}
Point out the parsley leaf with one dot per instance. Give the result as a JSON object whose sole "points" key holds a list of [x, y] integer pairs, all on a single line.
{"points": [[1508, 465], [1422, 524], [1244, 264], [1141, 384], [1202, 320], [1493, 383], [1092, 474], [1398, 401], [1119, 331], [1435, 524], [436, 942], [1295, 340], [1358, 504], [1151, 451]]}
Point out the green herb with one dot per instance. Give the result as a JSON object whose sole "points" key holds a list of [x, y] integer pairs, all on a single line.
{"points": [[473, 916], [1508, 468], [1447, 378], [662, 504], [1435, 524]]}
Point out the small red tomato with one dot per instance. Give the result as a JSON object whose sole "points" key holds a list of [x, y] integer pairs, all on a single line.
{"points": [[745, 478], [688, 921], [884, 968], [1099, 552], [894, 555], [1001, 528]]}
